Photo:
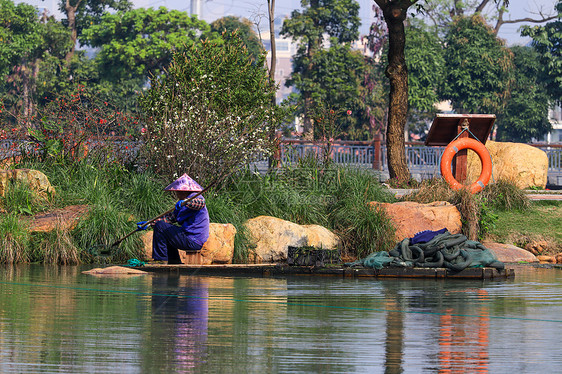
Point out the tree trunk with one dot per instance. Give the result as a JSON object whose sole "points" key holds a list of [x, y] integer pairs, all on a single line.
{"points": [[273, 160], [397, 73], [71, 16], [313, 45], [271, 15]]}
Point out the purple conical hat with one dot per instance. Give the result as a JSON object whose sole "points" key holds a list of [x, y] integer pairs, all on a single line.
{"points": [[184, 183]]}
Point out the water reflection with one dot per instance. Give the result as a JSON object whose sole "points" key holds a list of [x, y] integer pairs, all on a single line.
{"points": [[178, 323], [463, 341], [454, 339], [58, 320]]}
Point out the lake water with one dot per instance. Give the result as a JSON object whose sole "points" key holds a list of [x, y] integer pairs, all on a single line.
{"points": [[58, 320]]}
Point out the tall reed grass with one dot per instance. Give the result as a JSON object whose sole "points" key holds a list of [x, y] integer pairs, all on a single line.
{"points": [[14, 240], [309, 193]]}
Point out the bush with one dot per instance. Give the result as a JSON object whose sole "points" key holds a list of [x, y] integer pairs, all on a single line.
{"points": [[73, 126], [212, 111]]}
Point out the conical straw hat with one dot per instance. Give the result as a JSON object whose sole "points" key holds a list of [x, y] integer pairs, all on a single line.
{"points": [[184, 183]]}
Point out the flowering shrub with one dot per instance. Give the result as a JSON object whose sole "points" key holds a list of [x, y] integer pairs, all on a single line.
{"points": [[211, 112], [69, 127]]}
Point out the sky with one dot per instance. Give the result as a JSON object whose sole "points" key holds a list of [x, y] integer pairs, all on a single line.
{"points": [[213, 9]]}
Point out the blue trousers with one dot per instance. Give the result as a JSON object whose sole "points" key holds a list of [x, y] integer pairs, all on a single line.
{"points": [[167, 240]]}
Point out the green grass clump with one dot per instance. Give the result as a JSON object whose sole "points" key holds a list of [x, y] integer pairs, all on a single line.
{"points": [[118, 197], [19, 198], [144, 196], [14, 240], [504, 195], [58, 248], [362, 228], [222, 209], [104, 225]]}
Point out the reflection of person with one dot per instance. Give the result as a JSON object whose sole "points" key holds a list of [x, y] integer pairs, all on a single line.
{"points": [[179, 325], [192, 218]]}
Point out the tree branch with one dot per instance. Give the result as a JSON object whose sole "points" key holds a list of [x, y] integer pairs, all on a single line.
{"points": [[501, 22], [481, 7]]}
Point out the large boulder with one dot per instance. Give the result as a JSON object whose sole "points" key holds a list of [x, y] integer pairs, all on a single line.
{"points": [[525, 165], [218, 249], [273, 236], [36, 180], [409, 218], [509, 253]]}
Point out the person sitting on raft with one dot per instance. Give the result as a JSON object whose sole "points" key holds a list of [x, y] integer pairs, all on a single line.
{"points": [[191, 217]]}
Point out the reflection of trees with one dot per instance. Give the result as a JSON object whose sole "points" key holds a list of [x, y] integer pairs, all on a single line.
{"points": [[394, 342]]}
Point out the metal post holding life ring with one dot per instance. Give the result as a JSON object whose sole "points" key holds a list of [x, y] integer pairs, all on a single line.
{"points": [[452, 149]]}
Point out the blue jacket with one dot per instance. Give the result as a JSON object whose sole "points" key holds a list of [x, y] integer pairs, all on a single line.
{"points": [[194, 219]]}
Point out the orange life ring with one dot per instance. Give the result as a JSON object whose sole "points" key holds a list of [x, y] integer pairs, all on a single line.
{"points": [[452, 149]]}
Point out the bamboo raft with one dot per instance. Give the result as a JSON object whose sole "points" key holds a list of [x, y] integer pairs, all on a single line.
{"points": [[271, 270]]}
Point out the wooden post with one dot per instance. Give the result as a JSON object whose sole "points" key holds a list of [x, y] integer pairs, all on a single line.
{"points": [[377, 151], [460, 162]]}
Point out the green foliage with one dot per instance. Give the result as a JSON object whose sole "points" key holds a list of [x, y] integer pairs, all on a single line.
{"points": [[210, 113], [337, 18], [325, 75], [57, 247], [243, 27], [339, 73], [487, 219], [526, 114], [14, 240], [362, 228], [477, 67], [104, 225], [223, 209], [58, 78], [19, 198], [479, 212], [88, 12], [143, 195], [141, 42], [20, 34], [25, 42], [547, 41], [426, 67], [66, 127], [318, 194]]}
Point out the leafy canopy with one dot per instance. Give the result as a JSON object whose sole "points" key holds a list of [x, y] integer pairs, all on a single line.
{"points": [[141, 42], [21, 34], [325, 77], [243, 27], [547, 41], [526, 114], [477, 67]]}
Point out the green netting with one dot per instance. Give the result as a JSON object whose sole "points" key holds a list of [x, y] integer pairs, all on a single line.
{"points": [[445, 250]]}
